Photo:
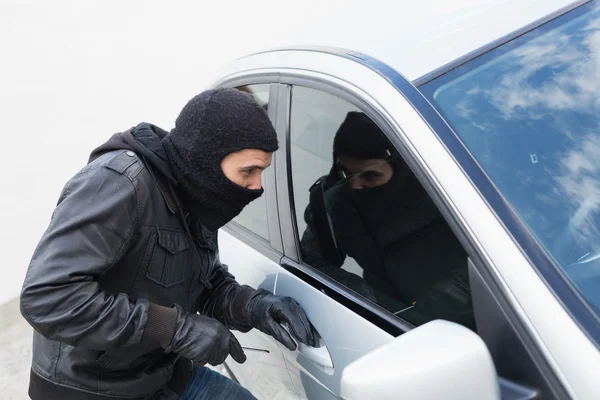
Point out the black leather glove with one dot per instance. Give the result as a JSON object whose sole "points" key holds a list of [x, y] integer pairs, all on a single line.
{"points": [[272, 314], [204, 340]]}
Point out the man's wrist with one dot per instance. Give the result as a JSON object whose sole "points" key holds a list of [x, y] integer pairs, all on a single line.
{"points": [[160, 326], [239, 302]]}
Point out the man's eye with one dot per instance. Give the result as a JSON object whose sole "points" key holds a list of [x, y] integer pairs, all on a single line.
{"points": [[370, 175]]}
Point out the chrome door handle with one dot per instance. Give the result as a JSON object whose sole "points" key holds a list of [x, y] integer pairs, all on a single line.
{"points": [[318, 355]]}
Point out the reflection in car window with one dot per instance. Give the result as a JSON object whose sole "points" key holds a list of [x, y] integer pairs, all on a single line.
{"points": [[365, 220], [529, 112], [254, 216]]}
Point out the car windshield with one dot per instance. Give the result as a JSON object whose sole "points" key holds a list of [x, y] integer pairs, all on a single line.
{"points": [[529, 113]]}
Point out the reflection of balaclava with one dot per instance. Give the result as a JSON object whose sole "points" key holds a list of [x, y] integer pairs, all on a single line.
{"points": [[359, 137], [212, 125], [387, 212]]}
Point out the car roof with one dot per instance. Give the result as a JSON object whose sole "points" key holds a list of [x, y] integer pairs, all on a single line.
{"points": [[418, 37]]}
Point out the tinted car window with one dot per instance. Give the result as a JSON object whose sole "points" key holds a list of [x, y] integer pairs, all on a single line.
{"points": [[529, 112], [364, 219], [254, 216]]}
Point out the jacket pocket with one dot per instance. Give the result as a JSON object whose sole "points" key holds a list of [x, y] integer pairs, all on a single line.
{"points": [[104, 358], [168, 262]]}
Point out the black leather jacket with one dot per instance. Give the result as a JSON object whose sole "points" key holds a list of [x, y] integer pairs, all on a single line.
{"points": [[99, 290]]}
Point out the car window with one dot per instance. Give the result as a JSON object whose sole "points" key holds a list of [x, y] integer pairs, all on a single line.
{"points": [[254, 216], [529, 113], [365, 220]]}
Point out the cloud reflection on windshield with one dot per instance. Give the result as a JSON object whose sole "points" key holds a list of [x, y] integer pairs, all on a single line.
{"points": [[549, 86], [529, 112]]}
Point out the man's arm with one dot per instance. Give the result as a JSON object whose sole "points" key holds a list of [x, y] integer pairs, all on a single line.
{"points": [[310, 246], [318, 245], [225, 300], [313, 255], [90, 230]]}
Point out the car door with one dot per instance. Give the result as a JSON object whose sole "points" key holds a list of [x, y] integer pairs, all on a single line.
{"points": [[251, 248], [348, 323]]}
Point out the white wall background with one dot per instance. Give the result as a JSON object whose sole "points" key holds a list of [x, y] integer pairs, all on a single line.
{"points": [[74, 72]]}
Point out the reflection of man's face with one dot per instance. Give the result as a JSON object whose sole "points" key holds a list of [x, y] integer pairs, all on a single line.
{"points": [[365, 173]]}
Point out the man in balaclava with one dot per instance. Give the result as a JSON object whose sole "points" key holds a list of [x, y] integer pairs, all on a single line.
{"points": [[376, 211], [125, 290]]}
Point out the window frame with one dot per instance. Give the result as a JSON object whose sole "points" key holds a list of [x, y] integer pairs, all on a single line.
{"points": [[271, 248], [383, 318]]}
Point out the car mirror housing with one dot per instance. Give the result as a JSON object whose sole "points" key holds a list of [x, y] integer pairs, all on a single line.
{"points": [[438, 360]]}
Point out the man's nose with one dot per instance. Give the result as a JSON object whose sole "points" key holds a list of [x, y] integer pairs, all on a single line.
{"points": [[255, 183], [356, 183]]}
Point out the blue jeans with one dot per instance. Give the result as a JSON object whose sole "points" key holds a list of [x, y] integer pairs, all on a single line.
{"points": [[207, 384]]}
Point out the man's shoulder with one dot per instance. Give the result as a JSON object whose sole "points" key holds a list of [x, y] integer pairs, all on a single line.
{"points": [[115, 173], [121, 171], [123, 162]]}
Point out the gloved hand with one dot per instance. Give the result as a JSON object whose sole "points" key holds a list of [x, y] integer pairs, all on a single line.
{"points": [[270, 313], [204, 340]]}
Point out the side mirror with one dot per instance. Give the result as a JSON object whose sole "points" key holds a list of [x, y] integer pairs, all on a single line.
{"points": [[438, 360]]}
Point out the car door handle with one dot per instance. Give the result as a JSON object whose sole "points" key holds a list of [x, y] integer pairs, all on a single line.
{"points": [[318, 355]]}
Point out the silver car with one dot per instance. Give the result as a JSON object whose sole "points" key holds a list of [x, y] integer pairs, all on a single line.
{"points": [[504, 140]]}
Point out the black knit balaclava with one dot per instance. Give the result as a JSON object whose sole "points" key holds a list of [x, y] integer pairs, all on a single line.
{"points": [[359, 137], [211, 126]]}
